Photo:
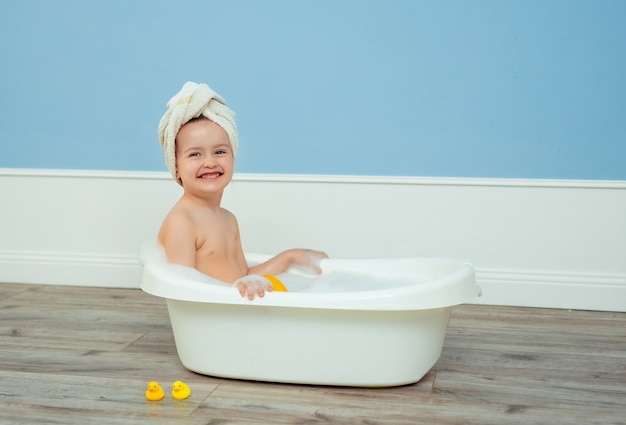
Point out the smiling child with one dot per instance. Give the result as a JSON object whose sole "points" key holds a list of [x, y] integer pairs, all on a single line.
{"points": [[199, 136]]}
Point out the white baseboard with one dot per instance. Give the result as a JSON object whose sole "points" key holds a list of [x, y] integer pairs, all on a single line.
{"points": [[552, 290], [71, 269], [536, 243]]}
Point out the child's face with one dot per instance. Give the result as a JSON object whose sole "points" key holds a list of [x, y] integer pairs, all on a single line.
{"points": [[204, 157]]}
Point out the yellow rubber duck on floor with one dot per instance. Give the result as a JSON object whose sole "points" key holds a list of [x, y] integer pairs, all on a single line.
{"points": [[155, 392], [180, 390]]}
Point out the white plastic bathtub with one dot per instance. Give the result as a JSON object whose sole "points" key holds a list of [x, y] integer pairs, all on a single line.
{"points": [[369, 323]]}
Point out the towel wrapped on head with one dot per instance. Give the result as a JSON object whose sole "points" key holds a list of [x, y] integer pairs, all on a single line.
{"points": [[193, 101]]}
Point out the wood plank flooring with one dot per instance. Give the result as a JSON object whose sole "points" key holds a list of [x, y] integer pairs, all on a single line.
{"points": [[71, 355]]}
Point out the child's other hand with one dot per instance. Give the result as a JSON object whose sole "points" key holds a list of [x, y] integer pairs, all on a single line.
{"points": [[253, 285], [308, 260]]}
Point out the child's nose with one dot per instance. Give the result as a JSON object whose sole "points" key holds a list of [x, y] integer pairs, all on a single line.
{"points": [[209, 162]]}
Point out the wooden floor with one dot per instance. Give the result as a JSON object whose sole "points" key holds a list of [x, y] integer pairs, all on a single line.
{"points": [[85, 356]]}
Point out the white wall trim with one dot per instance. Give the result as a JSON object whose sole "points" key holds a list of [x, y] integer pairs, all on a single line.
{"points": [[71, 269], [581, 291], [539, 243]]}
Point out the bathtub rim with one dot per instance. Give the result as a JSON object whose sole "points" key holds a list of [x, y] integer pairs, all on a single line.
{"points": [[452, 289]]}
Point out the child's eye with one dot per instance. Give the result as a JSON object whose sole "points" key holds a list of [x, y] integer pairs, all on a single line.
{"points": [[194, 154], [220, 152]]}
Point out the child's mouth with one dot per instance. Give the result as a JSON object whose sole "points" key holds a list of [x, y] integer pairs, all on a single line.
{"points": [[209, 176]]}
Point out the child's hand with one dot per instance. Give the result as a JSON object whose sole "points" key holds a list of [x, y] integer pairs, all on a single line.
{"points": [[253, 285], [308, 260]]}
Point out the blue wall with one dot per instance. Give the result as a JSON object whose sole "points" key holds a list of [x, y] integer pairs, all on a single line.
{"points": [[518, 88]]}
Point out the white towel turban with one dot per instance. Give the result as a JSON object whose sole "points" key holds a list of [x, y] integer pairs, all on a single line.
{"points": [[192, 101]]}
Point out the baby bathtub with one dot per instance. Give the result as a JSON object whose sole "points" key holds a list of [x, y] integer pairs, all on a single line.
{"points": [[370, 323]]}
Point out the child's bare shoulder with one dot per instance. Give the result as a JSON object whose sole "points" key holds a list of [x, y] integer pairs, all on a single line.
{"points": [[179, 219], [228, 215], [180, 212], [230, 219]]}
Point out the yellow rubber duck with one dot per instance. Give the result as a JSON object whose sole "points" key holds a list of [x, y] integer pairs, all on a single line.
{"points": [[180, 390], [155, 392], [277, 285]]}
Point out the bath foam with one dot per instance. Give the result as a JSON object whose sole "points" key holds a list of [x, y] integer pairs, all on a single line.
{"points": [[341, 282]]}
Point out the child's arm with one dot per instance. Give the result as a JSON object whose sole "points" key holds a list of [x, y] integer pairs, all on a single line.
{"points": [[179, 241], [254, 284], [304, 258]]}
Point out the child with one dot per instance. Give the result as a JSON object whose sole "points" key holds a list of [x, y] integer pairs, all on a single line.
{"points": [[199, 136]]}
